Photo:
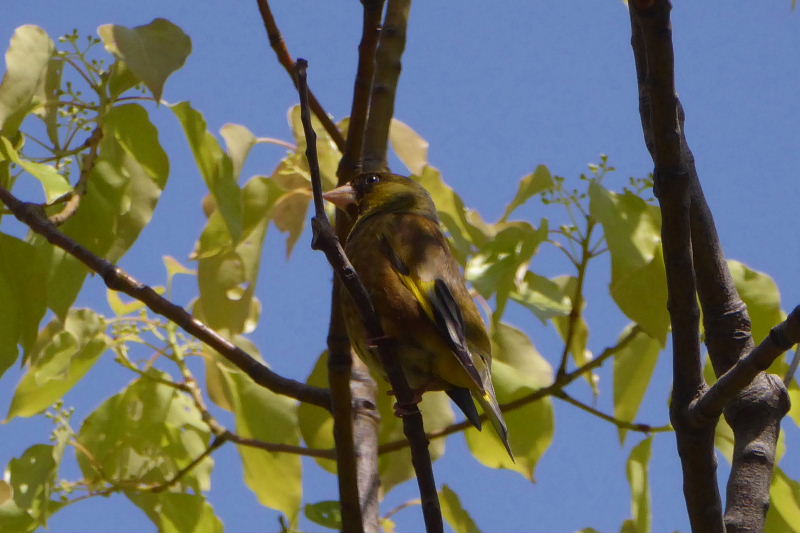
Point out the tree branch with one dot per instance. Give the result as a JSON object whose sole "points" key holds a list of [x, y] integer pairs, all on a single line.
{"points": [[658, 107], [285, 59], [355, 414], [117, 279], [387, 73], [325, 239]]}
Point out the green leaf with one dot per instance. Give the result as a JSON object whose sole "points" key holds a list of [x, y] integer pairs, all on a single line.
{"points": [[539, 181], [22, 292], [261, 414], [784, 509], [633, 368], [64, 274], [761, 295], [455, 514], [632, 230], [32, 477], [215, 165], [53, 183], [327, 513], [501, 264], [120, 79], [227, 274], [289, 215], [316, 423], [517, 371], [152, 52], [124, 187], [409, 146], [27, 61], [239, 141], [16, 520], [63, 354], [639, 479], [175, 512], [452, 212], [327, 152], [146, 434], [47, 95], [131, 126], [542, 296]]}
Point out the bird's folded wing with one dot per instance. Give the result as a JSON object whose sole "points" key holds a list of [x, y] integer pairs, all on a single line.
{"points": [[439, 305]]}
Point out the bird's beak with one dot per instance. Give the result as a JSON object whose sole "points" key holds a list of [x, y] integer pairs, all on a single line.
{"points": [[342, 197]]}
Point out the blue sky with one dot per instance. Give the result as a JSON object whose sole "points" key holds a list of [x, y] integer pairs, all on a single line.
{"points": [[496, 91]]}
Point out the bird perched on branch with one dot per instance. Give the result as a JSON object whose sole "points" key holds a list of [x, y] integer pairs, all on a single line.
{"points": [[402, 257]]}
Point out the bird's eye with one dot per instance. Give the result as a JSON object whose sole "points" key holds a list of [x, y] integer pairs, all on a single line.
{"points": [[372, 179]]}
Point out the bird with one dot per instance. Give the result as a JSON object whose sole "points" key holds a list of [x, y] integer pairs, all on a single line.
{"points": [[399, 251]]}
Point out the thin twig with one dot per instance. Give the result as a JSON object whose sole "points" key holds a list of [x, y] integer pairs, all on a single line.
{"points": [[622, 424], [285, 59]]}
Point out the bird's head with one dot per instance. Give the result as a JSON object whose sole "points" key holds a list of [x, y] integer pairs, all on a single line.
{"points": [[383, 192]]}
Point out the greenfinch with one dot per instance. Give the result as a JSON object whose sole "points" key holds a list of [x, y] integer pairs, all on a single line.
{"points": [[402, 257]]}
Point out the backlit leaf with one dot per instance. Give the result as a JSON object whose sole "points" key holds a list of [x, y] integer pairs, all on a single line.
{"points": [[633, 368], [455, 514], [27, 61], [62, 356], [761, 295], [638, 471], [632, 231], [517, 371], [532, 184], [152, 51], [53, 183], [175, 512], [261, 414], [409, 146], [327, 513], [146, 434], [215, 166]]}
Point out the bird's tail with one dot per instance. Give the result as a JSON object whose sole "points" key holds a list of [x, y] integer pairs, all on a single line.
{"points": [[492, 409]]}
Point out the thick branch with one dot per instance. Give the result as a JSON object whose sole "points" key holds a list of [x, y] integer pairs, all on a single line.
{"points": [[355, 413], [658, 106], [285, 59], [387, 73], [119, 280], [781, 338], [324, 238], [351, 160]]}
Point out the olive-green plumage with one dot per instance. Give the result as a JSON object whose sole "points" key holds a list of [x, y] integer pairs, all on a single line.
{"points": [[403, 259]]}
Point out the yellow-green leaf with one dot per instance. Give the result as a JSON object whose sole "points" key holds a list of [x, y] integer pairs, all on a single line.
{"points": [[632, 230], [27, 61], [517, 371], [62, 356], [532, 184], [316, 423], [152, 51], [409, 146], [215, 166], [176, 512], [761, 295], [639, 478], [53, 183], [784, 509], [455, 514], [633, 368], [261, 414]]}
